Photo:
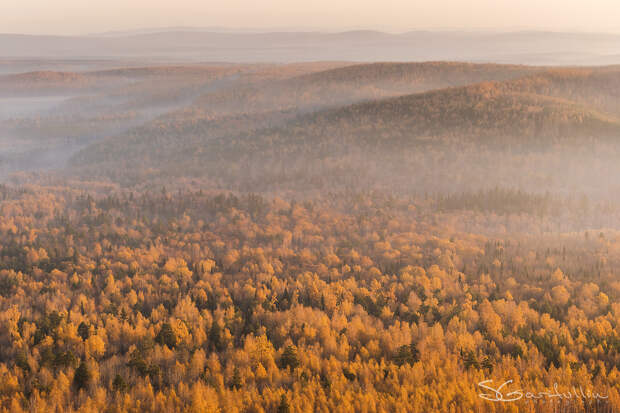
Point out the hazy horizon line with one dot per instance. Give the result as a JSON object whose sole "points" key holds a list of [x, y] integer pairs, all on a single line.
{"points": [[303, 29]]}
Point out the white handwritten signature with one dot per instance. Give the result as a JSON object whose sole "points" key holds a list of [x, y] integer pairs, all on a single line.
{"points": [[499, 395]]}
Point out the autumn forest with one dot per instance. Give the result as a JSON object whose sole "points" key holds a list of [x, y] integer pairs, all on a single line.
{"points": [[309, 237]]}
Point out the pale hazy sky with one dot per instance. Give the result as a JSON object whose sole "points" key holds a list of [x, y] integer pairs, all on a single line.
{"points": [[91, 16]]}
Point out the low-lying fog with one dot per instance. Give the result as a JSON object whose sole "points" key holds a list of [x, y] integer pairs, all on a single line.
{"points": [[25, 106], [41, 132]]}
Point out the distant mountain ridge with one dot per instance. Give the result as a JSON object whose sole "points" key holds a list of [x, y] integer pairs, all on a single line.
{"points": [[183, 44]]}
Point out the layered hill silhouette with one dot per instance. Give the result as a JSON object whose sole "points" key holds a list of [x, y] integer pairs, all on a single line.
{"points": [[270, 97], [353, 83], [277, 134]]}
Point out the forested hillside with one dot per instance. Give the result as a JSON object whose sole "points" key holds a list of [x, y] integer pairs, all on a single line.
{"points": [[598, 88]]}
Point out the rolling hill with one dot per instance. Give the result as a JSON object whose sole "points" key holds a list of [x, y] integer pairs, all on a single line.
{"points": [[354, 83], [248, 106], [372, 142], [598, 88]]}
